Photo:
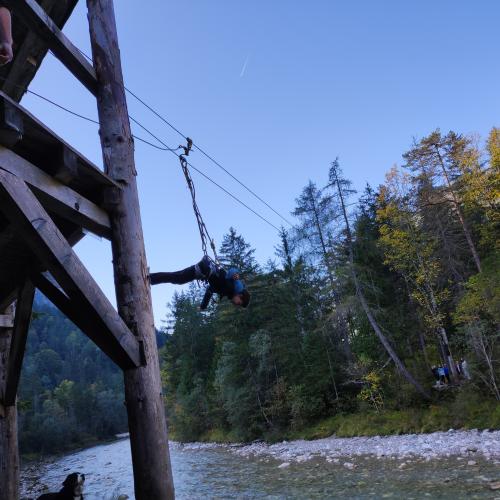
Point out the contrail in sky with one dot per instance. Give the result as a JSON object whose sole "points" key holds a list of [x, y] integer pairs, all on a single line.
{"points": [[244, 67]]}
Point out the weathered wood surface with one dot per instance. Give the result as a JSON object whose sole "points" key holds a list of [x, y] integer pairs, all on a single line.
{"points": [[9, 454], [47, 285], [35, 226], [22, 320], [55, 196], [38, 21], [44, 148], [30, 49], [143, 392], [69, 307], [11, 124], [17, 260], [6, 321]]}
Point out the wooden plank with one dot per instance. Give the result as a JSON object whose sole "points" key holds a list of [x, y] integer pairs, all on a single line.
{"points": [[17, 260], [30, 49], [11, 124], [22, 320], [55, 196], [33, 223], [37, 20], [44, 148], [6, 321]]}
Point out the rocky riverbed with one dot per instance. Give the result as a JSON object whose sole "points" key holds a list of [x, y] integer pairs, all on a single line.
{"points": [[462, 444], [454, 465]]}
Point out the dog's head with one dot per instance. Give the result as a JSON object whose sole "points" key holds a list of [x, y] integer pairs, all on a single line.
{"points": [[74, 483]]}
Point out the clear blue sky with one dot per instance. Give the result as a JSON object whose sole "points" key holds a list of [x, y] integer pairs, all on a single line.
{"points": [[275, 91]]}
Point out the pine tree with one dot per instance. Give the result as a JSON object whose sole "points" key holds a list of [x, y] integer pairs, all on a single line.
{"points": [[342, 186], [236, 252], [439, 160]]}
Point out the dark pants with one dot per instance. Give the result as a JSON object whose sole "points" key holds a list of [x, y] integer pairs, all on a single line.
{"points": [[177, 277]]}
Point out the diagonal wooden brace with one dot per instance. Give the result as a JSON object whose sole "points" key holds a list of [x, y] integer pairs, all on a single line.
{"points": [[39, 21], [22, 319], [30, 220]]}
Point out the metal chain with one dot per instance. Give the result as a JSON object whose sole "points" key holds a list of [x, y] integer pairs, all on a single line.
{"points": [[204, 234]]}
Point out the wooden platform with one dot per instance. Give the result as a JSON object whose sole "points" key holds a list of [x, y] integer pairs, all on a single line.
{"points": [[50, 195]]}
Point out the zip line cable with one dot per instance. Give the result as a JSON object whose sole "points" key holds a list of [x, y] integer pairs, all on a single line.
{"points": [[207, 155], [163, 119], [91, 120], [165, 148], [230, 194]]}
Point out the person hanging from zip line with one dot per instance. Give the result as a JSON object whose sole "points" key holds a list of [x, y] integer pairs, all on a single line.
{"points": [[6, 41], [223, 283]]}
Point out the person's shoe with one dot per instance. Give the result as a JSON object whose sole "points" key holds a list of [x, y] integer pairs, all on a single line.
{"points": [[205, 268]]}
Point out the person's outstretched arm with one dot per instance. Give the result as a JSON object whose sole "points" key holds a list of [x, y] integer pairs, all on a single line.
{"points": [[6, 53], [206, 298]]}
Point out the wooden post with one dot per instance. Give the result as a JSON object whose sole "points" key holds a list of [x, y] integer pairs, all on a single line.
{"points": [[9, 453], [145, 405]]}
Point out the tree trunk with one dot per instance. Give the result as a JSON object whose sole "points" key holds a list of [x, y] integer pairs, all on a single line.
{"points": [[143, 392], [383, 339]]}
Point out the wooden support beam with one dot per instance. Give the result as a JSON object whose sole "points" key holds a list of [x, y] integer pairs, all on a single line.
{"points": [[33, 223], [70, 309], [6, 321], [30, 49], [11, 124], [22, 320], [57, 296], [17, 261], [36, 19], [55, 196], [145, 405], [45, 149], [9, 452]]}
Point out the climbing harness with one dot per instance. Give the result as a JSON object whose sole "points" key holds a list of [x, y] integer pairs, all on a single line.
{"points": [[204, 235]]}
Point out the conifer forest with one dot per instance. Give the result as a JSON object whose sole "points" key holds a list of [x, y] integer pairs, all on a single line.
{"points": [[379, 313]]}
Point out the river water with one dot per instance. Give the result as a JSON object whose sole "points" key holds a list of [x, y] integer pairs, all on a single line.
{"points": [[218, 473]]}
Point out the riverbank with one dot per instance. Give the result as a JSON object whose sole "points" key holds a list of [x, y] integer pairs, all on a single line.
{"points": [[412, 466], [465, 413], [464, 445]]}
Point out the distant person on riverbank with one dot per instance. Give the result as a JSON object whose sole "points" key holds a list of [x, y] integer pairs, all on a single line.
{"points": [[223, 283], [441, 374], [6, 42], [446, 374], [465, 369]]}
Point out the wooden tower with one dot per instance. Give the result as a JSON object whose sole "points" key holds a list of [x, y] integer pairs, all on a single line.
{"points": [[50, 195]]}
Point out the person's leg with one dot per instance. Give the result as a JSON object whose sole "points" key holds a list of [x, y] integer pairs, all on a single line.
{"points": [[176, 278]]}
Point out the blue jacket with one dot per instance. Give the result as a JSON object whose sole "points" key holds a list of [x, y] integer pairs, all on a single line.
{"points": [[224, 284]]}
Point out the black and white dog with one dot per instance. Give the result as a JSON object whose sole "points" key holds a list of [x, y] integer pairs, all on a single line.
{"points": [[72, 489]]}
